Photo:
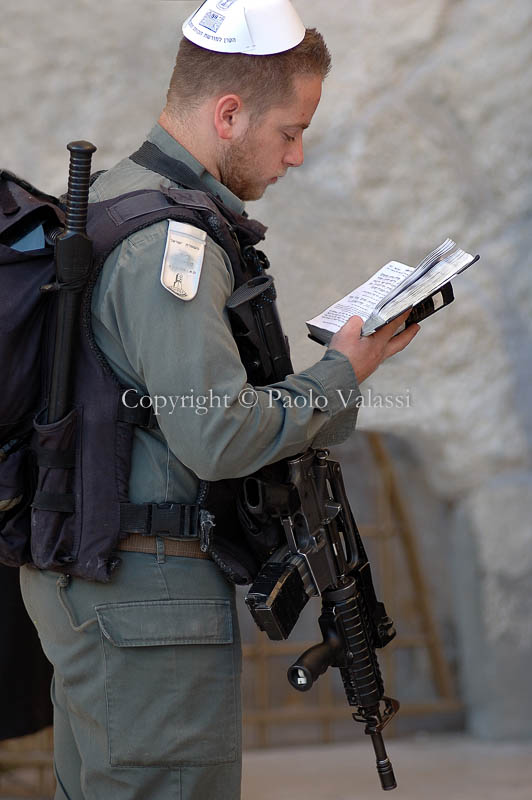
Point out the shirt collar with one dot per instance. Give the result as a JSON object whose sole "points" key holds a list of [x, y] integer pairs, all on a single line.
{"points": [[171, 147]]}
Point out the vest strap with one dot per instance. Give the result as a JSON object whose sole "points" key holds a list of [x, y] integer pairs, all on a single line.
{"points": [[58, 459], [51, 501], [138, 205], [152, 157], [142, 417], [170, 520]]}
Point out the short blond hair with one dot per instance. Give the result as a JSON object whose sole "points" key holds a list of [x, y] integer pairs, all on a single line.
{"points": [[261, 81]]}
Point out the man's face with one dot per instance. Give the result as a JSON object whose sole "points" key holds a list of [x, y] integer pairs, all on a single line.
{"points": [[272, 144]]}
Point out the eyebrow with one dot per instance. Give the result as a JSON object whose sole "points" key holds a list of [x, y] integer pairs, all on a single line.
{"points": [[302, 125]]}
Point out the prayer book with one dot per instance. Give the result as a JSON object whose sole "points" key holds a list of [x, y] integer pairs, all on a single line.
{"points": [[395, 288]]}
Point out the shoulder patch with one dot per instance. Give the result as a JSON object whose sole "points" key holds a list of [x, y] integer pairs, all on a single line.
{"points": [[183, 259]]}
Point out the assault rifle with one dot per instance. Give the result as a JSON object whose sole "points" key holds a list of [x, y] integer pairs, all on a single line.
{"points": [[318, 551]]}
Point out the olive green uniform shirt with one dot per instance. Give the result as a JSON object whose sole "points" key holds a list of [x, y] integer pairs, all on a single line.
{"points": [[217, 426]]}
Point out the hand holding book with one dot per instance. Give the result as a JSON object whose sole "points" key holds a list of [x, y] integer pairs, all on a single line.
{"points": [[395, 288], [366, 353]]}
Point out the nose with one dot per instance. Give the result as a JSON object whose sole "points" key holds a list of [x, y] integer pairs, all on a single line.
{"points": [[295, 156]]}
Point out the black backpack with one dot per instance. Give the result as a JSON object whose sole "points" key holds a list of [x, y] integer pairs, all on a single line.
{"points": [[54, 430], [29, 222], [47, 261]]}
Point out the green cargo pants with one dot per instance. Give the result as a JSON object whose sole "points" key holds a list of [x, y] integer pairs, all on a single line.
{"points": [[146, 688]]}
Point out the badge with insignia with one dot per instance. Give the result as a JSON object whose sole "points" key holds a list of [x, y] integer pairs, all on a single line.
{"points": [[183, 259]]}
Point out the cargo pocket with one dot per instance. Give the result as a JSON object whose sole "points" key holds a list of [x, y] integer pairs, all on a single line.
{"points": [[16, 489], [170, 683], [54, 522]]}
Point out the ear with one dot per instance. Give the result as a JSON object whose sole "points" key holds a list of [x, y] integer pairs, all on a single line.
{"points": [[230, 119]]}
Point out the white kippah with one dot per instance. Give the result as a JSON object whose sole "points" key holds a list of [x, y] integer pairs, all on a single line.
{"points": [[255, 27]]}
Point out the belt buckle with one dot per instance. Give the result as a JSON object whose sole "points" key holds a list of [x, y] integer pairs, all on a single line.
{"points": [[166, 520]]}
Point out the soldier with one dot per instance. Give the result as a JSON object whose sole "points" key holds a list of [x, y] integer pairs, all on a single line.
{"points": [[147, 667]]}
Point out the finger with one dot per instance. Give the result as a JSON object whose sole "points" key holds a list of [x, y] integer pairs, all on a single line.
{"points": [[353, 324], [399, 342]]}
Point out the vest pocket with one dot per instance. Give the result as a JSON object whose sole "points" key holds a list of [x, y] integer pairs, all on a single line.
{"points": [[54, 520], [171, 683]]}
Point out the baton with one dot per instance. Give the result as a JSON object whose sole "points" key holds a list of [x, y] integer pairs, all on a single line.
{"points": [[73, 259]]}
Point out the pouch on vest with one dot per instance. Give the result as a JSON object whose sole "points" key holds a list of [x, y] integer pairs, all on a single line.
{"points": [[43, 479]]}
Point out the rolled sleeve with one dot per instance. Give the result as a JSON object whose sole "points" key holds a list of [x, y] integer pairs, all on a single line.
{"points": [[341, 388]]}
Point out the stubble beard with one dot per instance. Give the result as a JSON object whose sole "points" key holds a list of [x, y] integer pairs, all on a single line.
{"points": [[237, 165]]}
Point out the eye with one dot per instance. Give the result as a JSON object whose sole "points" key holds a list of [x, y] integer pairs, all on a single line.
{"points": [[289, 138]]}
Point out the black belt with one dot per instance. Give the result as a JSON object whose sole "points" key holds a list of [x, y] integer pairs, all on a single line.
{"points": [[169, 520]]}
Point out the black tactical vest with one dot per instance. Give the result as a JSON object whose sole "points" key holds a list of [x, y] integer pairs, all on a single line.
{"points": [[81, 507]]}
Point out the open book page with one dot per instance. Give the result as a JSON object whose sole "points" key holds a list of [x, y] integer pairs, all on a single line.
{"points": [[430, 282], [361, 301], [424, 266]]}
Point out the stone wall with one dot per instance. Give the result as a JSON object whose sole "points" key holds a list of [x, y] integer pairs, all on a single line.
{"points": [[424, 131]]}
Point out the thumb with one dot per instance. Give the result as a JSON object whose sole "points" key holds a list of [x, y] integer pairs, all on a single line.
{"points": [[353, 326], [348, 333]]}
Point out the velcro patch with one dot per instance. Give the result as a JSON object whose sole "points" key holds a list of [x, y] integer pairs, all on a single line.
{"points": [[183, 259]]}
